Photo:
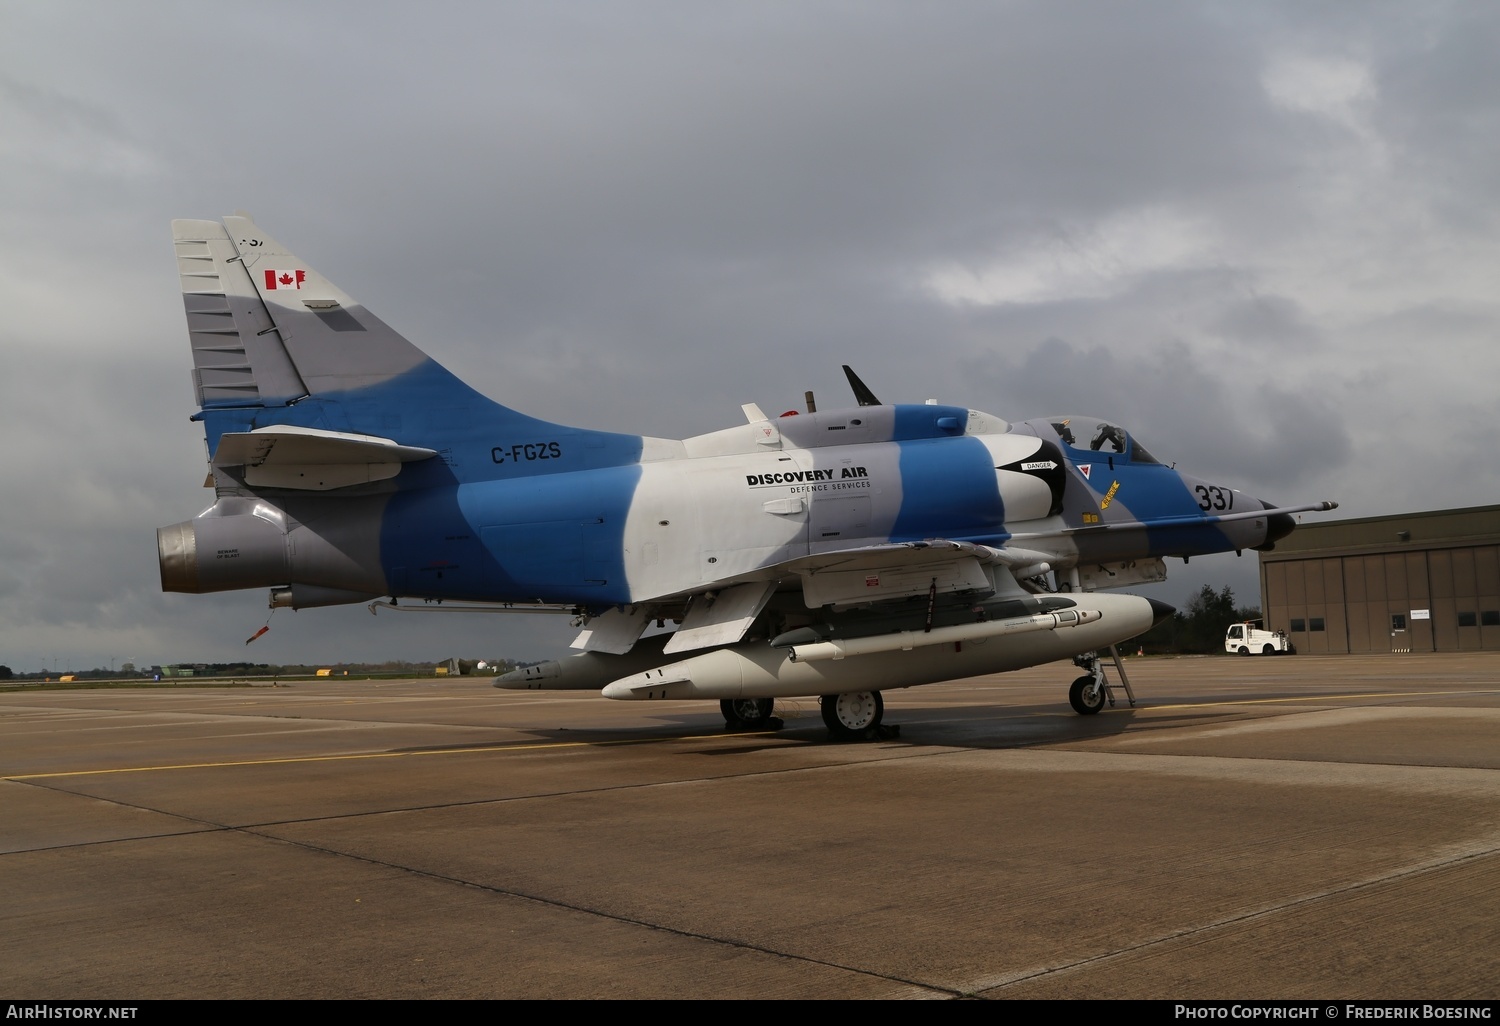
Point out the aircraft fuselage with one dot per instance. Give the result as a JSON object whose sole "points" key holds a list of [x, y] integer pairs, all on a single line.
{"points": [[718, 506]]}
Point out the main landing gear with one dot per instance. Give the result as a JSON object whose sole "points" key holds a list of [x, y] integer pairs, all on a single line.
{"points": [[850, 716], [856, 714], [749, 714], [1089, 692]]}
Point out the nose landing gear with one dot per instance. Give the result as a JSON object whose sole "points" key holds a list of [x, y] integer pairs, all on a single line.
{"points": [[1089, 692]]}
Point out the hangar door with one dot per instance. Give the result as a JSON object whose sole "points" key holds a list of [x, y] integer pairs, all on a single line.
{"points": [[1432, 600]]}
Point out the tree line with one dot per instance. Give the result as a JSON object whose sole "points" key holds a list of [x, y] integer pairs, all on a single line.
{"points": [[1197, 628]]}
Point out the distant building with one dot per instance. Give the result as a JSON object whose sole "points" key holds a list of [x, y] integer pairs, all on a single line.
{"points": [[1415, 582]]}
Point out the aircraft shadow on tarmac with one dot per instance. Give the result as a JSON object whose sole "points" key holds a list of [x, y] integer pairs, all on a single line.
{"points": [[967, 726]]}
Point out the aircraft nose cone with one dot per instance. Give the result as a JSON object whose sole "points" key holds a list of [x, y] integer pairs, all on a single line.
{"points": [[1160, 611], [1278, 526]]}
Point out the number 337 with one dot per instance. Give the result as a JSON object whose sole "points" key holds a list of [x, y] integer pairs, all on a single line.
{"points": [[1214, 497]]}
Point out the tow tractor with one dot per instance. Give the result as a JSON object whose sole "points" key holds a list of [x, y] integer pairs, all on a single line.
{"points": [[1246, 639]]}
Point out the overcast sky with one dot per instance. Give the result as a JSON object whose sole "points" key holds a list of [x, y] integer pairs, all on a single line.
{"points": [[1262, 236]]}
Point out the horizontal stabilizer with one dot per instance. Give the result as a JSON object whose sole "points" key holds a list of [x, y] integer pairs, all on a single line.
{"points": [[313, 459]]}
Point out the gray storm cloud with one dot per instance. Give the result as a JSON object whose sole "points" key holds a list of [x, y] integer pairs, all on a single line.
{"points": [[1260, 236]]}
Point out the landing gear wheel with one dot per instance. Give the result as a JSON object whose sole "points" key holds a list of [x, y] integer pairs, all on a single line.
{"points": [[1244, 650], [852, 714], [748, 713], [1086, 696]]}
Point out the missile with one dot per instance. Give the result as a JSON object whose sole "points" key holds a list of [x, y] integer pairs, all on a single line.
{"points": [[757, 670], [905, 641]]}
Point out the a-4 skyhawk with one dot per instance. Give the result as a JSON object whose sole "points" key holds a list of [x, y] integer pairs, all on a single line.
{"points": [[835, 553]]}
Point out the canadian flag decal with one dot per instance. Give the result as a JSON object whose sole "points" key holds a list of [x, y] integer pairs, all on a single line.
{"points": [[284, 279]]}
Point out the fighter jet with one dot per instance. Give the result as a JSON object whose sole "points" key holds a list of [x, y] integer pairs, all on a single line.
{"points": [[829, 554]]}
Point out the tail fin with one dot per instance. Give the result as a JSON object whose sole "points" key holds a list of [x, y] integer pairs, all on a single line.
{"points": [[279, 348], [268, 330], [238, 358]]}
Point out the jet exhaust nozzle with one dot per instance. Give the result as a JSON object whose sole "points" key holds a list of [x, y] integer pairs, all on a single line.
{"points": [[251, 543], [177, 554], [222, 553]]}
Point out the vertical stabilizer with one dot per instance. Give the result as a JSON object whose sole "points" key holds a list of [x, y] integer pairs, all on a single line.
{"points": [[276, 345], [335, 344], [238, 357], [268, 330]]}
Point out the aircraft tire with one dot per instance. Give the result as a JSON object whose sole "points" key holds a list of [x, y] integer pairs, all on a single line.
{"points": [[852, 714], [747, 713], [1244, 650], [1084, 697]]}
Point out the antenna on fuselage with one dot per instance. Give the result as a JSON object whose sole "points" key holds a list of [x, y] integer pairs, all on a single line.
{"points": [[862, 393]]}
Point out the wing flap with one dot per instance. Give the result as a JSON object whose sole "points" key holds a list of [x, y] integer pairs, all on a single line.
{"points": [[614, 632], [721, 618]]}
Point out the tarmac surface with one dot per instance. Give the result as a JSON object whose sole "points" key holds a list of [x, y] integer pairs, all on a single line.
{"points": [[1319, 827]]}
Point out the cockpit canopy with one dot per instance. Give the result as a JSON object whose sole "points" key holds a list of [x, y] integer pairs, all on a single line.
{"points": [[1081, 437]]}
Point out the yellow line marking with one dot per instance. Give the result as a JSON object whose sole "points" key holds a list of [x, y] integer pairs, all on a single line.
{"points": [[647, 740], [1315, 698], [370, 755]]}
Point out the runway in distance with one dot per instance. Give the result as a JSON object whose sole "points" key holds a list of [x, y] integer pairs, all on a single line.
{"points": [[833, 553]]}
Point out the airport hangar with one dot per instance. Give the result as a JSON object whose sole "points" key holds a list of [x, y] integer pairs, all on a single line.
{"points": [[1413, 582]]}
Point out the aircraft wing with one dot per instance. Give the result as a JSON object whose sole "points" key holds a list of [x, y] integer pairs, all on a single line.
{"points": [[892, 570], [723, 613]]}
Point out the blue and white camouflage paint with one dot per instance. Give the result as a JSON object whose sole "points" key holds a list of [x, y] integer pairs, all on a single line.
{"points": [[348, 466]]}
